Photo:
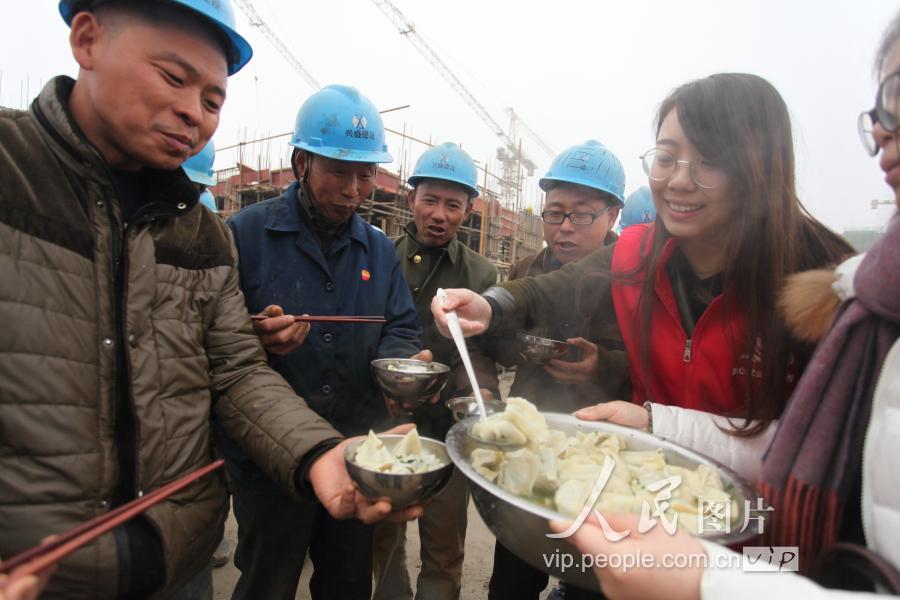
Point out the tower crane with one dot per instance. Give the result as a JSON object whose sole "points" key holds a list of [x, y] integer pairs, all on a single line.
{"points": [[510, 154], [256, 21]]}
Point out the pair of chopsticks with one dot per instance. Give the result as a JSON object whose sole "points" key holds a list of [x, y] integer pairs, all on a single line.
{"points": [[328, 319], [38, 558]]}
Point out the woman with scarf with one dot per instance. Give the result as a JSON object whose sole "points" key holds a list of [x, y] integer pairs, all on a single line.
{"points": [[830, 471]]}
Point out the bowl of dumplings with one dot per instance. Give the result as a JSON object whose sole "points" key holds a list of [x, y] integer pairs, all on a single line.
{"points": [[526, 468], [409, 381], [539, 350], [407, 469]]}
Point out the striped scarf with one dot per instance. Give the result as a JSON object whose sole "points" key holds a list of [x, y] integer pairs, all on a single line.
{"points": [[816, 455]]}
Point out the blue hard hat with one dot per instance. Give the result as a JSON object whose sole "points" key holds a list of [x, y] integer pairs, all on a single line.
{"points": [[217, 12], [448, 162], [589, 164], [199, 167], [209, 201], [340, 123], [639, 208]]}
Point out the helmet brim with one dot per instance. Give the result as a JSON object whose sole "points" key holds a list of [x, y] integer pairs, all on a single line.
{"points": [[548, 183], [365, 156], [416, 179]]}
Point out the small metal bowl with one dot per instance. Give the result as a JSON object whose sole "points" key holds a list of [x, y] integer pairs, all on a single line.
{"points": [[402, 489], [406, 380], [467, 406], [540, 350]]}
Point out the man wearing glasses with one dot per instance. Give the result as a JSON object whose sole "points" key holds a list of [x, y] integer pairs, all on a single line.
{"points": [[585, 189]]}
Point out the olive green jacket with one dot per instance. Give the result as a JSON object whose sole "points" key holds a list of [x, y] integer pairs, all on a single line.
{"points": [[457, 267], [189, 349]]}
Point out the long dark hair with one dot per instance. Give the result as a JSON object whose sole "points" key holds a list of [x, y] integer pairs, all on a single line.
{"points": [[742, 123]]}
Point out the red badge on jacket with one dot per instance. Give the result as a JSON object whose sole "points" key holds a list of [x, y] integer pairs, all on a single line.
{"points": [[365, 275]]}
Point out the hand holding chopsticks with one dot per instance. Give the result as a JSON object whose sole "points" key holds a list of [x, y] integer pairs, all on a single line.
{"points": [[40, 558], [282, 334]]}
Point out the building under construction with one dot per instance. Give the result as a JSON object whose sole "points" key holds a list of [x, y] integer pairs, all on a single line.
{"points": [[501, 233]]}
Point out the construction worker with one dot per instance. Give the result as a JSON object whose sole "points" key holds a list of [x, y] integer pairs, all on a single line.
{"points": [[443, 191], [638, 208], [121, 316], [199, 169], [584, 192], [307, 251]]}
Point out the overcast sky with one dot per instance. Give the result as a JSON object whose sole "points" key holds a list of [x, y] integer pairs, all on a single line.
{"points": [[572, 71]]}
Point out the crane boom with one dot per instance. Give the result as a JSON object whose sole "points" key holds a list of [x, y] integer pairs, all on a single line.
{"points": [[256, 21], [531, 132], [408, 30]]}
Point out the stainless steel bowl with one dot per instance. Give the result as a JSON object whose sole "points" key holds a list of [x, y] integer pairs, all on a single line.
{"points": [[402, 489], [467, 406], [540, 350], [406, 380], [521, 525]]}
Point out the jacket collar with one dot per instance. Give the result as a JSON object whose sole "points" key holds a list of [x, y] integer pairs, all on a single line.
{"points": [[285, 216], [453, 246], [169, 193]]}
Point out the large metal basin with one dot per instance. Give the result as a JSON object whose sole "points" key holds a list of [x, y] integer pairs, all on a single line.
{"points": [[521, 526]]}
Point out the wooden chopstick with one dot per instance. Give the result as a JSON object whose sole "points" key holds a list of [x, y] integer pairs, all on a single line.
{"points": [[329, 319], [38, 558]]}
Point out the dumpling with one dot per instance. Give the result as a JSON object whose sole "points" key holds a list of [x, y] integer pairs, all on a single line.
{"points": [[372, 454], [519, 472], [486, 462], [571, 497], [497, 429], [410, 444], [548, 475], [525, 416]]}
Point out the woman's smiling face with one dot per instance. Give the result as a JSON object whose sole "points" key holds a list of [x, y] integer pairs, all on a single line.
{"points": [[688, 211]]}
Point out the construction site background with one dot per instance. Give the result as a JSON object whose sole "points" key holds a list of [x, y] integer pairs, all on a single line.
{"points": [[499, 232]]}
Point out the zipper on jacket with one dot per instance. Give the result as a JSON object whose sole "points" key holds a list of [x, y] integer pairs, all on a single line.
{"points": [[687, 350], [122, 491]]}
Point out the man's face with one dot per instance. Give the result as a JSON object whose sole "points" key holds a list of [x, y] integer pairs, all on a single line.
{"points": [[438, 208], [570, 242], [338, 187], [151, 91]]}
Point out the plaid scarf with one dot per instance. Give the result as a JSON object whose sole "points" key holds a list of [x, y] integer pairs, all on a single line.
{"points": [[816, 455]]}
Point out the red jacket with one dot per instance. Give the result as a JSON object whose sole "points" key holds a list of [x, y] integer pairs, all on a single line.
{"points": [[702, 373]]}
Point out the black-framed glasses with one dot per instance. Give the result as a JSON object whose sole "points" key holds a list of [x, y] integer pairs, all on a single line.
{"points": [[660, 164], [886, 113], [557, 217]]}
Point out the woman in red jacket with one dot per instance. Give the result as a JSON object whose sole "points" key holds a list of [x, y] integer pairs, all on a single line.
{"points": [[703, 331]]}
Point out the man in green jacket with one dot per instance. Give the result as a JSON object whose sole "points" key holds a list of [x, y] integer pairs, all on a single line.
{"points": [[444, 187], [122, 327]]}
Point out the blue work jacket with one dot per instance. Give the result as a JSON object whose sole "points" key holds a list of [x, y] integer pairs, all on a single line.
{"points": [[281, 262]]}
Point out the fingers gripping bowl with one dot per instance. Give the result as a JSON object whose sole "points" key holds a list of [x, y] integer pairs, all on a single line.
{"points": [[519, 520], [406, 469]]}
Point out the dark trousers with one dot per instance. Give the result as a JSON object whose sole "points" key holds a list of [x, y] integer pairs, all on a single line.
{"points": [[275, 533], [515, 579]]}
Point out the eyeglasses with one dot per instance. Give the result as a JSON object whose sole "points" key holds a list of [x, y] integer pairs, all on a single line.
{"points": [[660, 164], [557, 217], [887, 107]]}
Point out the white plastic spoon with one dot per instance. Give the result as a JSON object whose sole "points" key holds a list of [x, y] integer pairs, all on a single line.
{"points": [[459, 339]]}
